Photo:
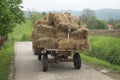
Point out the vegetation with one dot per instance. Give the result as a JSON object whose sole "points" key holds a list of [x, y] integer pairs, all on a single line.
{"points": [[89, 18], [20, 31], [99, 63], [10, 15], [117, 25], [105, 48], [34, 16], [7, 51], [102, 47], [6, 56]]}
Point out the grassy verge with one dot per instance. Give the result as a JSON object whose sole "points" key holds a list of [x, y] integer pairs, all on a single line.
{"points": [[20, 33], [98, 62], [6, 56]]}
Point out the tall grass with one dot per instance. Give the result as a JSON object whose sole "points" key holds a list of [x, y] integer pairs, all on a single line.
{"points": [[106, 48]]}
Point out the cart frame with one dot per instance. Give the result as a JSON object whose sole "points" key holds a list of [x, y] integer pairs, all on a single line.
{"points": [[59, 55]]}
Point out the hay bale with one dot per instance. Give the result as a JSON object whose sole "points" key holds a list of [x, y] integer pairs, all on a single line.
{"points": [[62, 26], [53, 29], [65, 44], [46, 43], [34, 34], [74, 19], [44, 31], [81, 33], [42, 22], [82, 44], [50, 18], [34, 44], [67, 14], [59, 17], [60, 35]]}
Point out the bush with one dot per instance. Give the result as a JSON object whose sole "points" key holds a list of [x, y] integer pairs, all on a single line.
{"points": [[106, 48], [26, 37]]}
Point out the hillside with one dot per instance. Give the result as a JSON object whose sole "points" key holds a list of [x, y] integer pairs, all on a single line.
{"points": [[104, 14], [108, 14]]}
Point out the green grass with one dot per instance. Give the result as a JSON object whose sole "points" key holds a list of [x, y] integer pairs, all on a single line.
{"points": [[99, 62], [21, 30], [106, 48], [6, 56], [7, 51], [105, 52]]}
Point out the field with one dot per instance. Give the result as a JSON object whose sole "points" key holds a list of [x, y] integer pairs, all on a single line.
{"points": [[104, 52], [103, 48]]}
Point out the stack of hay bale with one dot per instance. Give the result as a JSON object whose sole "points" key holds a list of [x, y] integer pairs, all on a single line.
{"points": [[52, 33]]}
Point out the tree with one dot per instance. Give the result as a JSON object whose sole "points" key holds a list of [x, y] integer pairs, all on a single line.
{"points": [[88, 17], [112, 21], [10, 14], [100, 24], [15, 8]]}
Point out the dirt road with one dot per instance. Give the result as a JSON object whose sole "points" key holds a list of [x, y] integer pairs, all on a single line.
{"points": [[28, 67]]}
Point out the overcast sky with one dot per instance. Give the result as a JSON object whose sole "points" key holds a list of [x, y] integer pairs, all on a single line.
{"points": [[48, 5]]}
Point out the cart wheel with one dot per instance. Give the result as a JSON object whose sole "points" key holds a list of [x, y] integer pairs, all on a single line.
{"points": [[45, 62], [39, 56], [77, 60], [35, 52]]}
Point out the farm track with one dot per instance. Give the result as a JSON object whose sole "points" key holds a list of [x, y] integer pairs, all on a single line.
{"points": [[27, 67]]}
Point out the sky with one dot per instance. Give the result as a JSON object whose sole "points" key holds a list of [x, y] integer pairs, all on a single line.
{"points": [[48, 5]]}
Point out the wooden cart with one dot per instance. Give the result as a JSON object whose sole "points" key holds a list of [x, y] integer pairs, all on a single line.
{"points": [[59, 55]]}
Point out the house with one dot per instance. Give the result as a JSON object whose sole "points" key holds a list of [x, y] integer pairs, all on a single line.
{"points": [[110, 27]]}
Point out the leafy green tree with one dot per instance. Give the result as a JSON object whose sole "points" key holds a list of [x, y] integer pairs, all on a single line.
{"points": [[10, 14], [89, 18], [100, 24], [15, 8]]}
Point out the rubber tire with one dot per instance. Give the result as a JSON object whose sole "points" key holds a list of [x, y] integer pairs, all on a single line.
{"points": [[77, 60], [45, 62], [35, 52], [39, 56]]}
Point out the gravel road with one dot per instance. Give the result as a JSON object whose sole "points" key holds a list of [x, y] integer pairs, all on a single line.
{"points": [[27, 67]]}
